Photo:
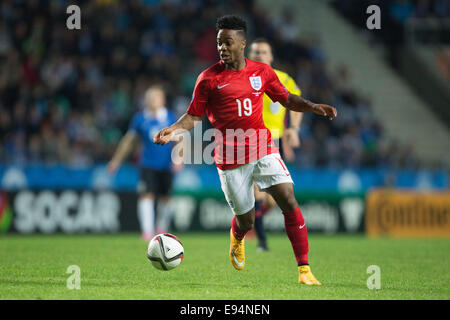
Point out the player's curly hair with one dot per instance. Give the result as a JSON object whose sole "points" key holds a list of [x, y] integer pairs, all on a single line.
{"points": [[232, 22]]}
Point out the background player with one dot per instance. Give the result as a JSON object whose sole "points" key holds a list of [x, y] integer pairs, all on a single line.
{"points": [[230, 93], [155, 162], [274, 116]]}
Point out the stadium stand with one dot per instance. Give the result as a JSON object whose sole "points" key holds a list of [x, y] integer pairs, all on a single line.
{"points": [[67, 97]]}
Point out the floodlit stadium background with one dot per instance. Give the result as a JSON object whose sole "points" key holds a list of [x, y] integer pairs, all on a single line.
{"points": [[67, 96]]}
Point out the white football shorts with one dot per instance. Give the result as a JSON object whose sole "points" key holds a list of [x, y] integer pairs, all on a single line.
{"points": [[237, 183]]}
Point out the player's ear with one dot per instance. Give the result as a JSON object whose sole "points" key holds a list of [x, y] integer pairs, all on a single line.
{"points": [[244, 44]]}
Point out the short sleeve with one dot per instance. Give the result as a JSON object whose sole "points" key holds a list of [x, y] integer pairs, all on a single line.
{"points": [[274, 88], [134, 124], [292, 86], [199, 97]]}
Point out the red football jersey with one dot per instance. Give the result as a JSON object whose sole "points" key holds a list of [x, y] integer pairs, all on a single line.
{"points": [[233, 102]]}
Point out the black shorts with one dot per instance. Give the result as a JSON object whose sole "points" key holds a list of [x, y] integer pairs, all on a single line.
{"points": [[158, 182]]}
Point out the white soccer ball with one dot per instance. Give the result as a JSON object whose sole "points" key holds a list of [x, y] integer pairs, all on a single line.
{"points": [[165, 251]]}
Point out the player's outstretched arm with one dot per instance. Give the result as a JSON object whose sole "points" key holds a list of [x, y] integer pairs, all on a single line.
{"points": [[185, 123], [297, 103], [123, 150]]}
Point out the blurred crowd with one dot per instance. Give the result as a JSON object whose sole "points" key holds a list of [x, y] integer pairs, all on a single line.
{"points": [[394, 11], [67, 96], [443, 61], [395, 15]]}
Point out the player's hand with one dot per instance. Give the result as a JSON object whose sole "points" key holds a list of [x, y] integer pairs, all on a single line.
{"points": [[292, 138], [164, 136], [112, 167], [325, 110], [288, 153]]}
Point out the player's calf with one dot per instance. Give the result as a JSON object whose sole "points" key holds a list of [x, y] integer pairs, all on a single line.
{"points": [[295, 229], [297, 233]]}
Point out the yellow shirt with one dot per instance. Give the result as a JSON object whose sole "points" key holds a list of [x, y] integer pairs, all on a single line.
{"points": [[274, 112]]}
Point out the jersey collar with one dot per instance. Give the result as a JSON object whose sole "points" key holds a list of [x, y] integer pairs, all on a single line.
{"points": [[161, 114], [224, 69]]}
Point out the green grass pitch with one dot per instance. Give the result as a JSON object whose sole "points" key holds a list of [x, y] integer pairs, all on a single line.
{"points": [[116, 267]]}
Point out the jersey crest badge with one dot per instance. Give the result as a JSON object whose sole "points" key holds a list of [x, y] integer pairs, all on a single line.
{"points": [[256, 82]]}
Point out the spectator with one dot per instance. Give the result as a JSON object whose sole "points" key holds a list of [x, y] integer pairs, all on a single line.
{"points": [[66, 96]]}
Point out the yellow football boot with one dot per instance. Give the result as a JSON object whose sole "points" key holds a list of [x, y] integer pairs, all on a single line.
{"points": [[305, 276], [237, 252]]}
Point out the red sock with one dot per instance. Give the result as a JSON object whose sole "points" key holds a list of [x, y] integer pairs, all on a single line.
{"points": [[238, 233], [258, 213], [298, 236]]}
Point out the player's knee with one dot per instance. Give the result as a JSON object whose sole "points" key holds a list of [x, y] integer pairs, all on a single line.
{"points": [[292, 202], [288, 202], [164, 199], [246, 224], [147, 195]]}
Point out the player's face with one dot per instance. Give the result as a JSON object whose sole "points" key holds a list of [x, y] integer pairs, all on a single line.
{"points": [[230, 45], [155, 98], [261, 52]]}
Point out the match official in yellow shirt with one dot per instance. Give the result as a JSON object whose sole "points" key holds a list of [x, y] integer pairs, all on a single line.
{"points": [[274, 115]]}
